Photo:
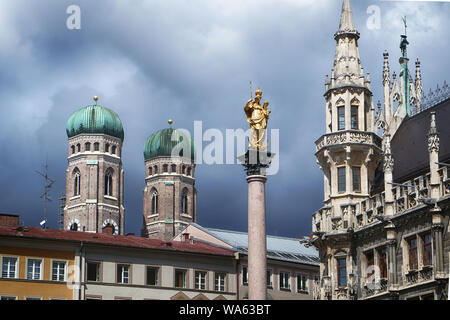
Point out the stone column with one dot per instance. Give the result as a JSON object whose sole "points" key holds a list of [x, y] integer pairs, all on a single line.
{"points": [[391, 236], [388, 167], [257, 237]]}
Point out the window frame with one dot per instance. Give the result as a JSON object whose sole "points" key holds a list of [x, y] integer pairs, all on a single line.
{"points": [[225, 279], [282, 280], [197, 285], [340, 118], [99, 270], [429, 246], [303, 282], [383, 257], [344, 176], [339, 268], [358, 189], [413, 261], [354, 117], [185, 278], [244, 275], [157, 274], [66, 263], [16, 267], [123, 264], [41, 268], [269, 278]]}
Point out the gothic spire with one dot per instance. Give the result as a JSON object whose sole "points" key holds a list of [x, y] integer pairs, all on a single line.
{"points": [[347, 63], [347, 25]]}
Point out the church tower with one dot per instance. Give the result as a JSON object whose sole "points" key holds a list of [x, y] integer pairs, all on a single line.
{"points": [[94, 176], [348, 153], [170, 197]]}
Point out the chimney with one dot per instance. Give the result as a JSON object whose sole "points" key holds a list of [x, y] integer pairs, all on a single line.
{"points": [[9, 220], [109, 229]]}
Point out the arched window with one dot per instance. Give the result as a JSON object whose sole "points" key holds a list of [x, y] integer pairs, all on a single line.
{"points": [[74, 227], [150, 171], [107, 147], [96, 146], [113, 149], [87, 146], [108, 183], [189, 171], [184, 201], [183, 169], [155, 169], [165, 168], [155, 197], [78, 147], [76, 182], [173, 168], [73, 149]]}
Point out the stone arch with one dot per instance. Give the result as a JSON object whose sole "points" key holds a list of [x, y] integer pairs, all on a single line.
{"points": [[76, 177], [109, 179], [154, 200]]}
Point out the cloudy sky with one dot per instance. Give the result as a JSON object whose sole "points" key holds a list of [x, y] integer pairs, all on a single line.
{"points": [[151, 60]]}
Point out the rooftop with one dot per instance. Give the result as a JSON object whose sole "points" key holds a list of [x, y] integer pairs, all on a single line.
{"points": [[112, 240], [278, 248]]}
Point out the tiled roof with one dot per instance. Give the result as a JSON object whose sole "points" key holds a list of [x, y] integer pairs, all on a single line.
{"points": [[114, 240], [279, 248]]}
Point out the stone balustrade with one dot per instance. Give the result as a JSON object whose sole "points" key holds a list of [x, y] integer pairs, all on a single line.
{"points": [[361, 214], [349, 136]]}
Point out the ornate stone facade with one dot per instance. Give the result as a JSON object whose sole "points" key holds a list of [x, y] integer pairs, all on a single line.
{"points": [[387, 244]]}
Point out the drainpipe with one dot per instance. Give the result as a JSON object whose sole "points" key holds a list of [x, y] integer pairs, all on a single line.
{"points": [[81, 268]]}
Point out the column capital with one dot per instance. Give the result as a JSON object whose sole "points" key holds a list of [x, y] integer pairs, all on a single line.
{"points": [[259, 178]]}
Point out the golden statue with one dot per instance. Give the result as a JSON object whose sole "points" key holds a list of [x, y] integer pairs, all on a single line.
{"points": [[257, 117]]}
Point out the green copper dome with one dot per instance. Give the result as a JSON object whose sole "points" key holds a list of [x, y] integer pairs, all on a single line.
{"points": [[95, 119], [160, 144]]}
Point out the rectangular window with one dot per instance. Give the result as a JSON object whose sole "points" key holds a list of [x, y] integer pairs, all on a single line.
{"points": [[93, 271], [96, 146], [341, 118], [152, 276], [356, 174], [302, 283], [34, 269], [269, 278], [8, 298], [9, 266], [180, 278], [284, 280], [244, 275], [341, 179], [354, 117], [219, 281], [58, 270], [382, 258], [33, 298], [413, 263], [342, 272], [427, 250], [200, 280], [370, 268], [123, 273]]}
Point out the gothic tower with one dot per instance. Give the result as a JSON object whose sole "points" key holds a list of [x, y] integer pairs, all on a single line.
{"points": [[94, 176], [169, 194], [349, 152]]}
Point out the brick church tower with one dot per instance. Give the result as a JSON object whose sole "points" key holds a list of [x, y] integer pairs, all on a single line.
{"points": [[169, 194], [94, 176]]}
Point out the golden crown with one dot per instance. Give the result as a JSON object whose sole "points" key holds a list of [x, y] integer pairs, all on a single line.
{"points": [[258, 92]]}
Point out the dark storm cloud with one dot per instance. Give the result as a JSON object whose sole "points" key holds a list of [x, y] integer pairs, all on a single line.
{"points": [[188, 60]]}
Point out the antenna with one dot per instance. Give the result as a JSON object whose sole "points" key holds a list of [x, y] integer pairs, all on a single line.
{"points": [[47, 186], [62, 204]]}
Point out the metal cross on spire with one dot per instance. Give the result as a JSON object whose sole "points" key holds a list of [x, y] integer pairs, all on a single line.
{"points": [[47, 186], [404, 22]]}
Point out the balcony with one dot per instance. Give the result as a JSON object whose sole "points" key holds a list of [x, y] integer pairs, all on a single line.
{"points": [[346, 137]]}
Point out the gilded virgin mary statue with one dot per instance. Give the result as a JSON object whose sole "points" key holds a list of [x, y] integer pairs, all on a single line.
{"points": [[257, 117]]}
